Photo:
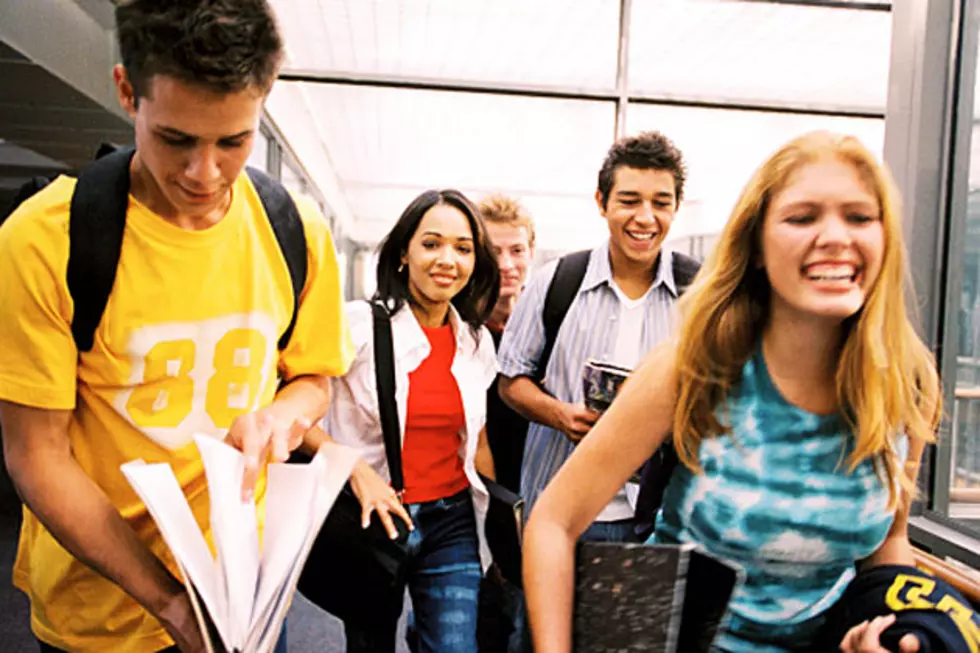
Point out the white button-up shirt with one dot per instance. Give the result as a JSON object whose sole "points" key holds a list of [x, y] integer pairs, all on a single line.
{"points": [[354, 418]]}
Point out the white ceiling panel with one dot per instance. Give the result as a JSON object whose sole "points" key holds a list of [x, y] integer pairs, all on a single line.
{"points": [[388, 145], [420, 138], [760, 52], [724, 147], [546, 42]]}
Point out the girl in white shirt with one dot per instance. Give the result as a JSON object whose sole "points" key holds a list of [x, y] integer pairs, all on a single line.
{"points": [[439, 278]]}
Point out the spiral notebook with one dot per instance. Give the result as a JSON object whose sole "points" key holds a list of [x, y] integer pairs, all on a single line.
{"points": [[652, 598]]}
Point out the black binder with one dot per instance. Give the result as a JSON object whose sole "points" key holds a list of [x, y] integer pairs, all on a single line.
{"points": [[652, 598]]}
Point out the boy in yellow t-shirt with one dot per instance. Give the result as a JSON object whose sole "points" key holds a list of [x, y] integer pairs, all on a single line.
{"points": [[187, 342]]}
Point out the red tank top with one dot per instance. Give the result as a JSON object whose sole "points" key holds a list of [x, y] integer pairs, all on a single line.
{"points": [[431, 455]]}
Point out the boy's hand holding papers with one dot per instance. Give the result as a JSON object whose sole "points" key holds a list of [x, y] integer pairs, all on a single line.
{"points": [[241, 598]]}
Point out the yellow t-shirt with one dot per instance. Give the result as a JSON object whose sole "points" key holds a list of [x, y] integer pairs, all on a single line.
{"points": [[187, 342]]}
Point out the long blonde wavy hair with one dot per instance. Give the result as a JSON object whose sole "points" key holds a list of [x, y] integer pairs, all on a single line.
{"points": [[886, 377]]}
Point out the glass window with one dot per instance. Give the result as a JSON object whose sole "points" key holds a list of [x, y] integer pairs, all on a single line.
{"points": [[389, 145], [365, 274], [545, 42], [259, 157], [828, 57], [342, 270], [962, 447], [723, 147], [292, 178]]}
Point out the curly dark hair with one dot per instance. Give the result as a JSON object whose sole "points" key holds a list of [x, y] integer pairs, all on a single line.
{"points": [[476, 300], [222, 45], [649, 150]]}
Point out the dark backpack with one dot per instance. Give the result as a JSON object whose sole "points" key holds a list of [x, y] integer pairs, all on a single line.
{"points": [[566, 282], [564, 286], [97, 221]]}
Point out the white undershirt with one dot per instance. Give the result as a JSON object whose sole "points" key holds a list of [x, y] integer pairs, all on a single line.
{"points": [[626, 353], [627, 350]]}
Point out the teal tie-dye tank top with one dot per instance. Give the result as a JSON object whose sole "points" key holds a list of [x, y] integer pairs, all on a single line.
{"points": [[776, 499]]}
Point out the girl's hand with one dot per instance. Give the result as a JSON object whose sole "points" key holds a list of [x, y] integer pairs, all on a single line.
{"points": [[865, 638], [377, 496]]}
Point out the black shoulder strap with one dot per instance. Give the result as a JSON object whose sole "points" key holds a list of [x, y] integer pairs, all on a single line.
{"points": [[98, 219], [561, 292], [685, 269], [288, 228], [384, 377], [95, 233], [655, 473], [26, 190]]}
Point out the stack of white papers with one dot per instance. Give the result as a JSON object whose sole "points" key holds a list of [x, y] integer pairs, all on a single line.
{"points": [[241, 599]]}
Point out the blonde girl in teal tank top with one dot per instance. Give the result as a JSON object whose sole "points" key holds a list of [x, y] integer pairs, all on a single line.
{"points": [[772, 499], [799, 399]]}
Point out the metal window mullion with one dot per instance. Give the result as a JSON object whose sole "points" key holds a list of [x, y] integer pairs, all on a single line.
{"points": [[963, 64], [622, 67], [918, 130], [275, 158], [611, 95], [852, 5]]}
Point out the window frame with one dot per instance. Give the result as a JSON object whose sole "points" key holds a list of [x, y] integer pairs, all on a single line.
{"points": [[934, 51]]}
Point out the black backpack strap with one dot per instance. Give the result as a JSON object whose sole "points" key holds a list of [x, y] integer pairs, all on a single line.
{"points": [[96, 224], [656, 472], [561, 293], [26, 190], [288, 228], [384, 377], [685, 269]]}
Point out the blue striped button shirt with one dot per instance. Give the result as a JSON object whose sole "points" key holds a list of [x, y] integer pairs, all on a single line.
{"points": [[588, 332]]}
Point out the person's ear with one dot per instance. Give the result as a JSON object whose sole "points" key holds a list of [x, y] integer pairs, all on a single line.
{"points": [[125, 90]]}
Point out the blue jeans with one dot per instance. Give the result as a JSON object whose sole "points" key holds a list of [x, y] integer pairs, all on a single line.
{"points": [[503, 616], [610, 531], [443, 580]]}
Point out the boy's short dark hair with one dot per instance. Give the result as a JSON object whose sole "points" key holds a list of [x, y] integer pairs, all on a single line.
{"points": [[646, 151], [222, 45]]}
